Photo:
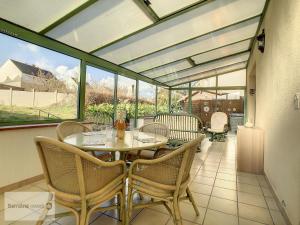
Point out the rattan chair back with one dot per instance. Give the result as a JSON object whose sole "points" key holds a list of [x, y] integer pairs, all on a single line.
{"points": [[67, 128], [155, 128]]}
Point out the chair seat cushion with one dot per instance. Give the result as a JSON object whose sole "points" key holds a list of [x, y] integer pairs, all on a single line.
{"points": [[215, 130]]}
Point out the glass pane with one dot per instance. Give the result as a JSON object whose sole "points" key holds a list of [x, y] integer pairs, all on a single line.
{"points": [[206, 67], [126, 96], [226, 69], [182, 86], [204, 105], [230, 35], [231, 102], [178, 99], [147, 93], [202, 20], [208, 82], [162, 100], [169, 68], [36, 15], [237, 78], [222, 52], [99, 107], [165, 7], [36, 83], [101, 23]]}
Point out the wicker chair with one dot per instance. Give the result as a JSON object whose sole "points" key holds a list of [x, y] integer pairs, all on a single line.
{"points": [[154, 128], [218, 126], [68, 128], [79, 181], [164, 179]]}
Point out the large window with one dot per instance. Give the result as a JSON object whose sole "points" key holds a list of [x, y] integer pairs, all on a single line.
{"points": [[99, 101], [147, 95], [36, 83], [162, 100], [179, 101], [126, 92]]}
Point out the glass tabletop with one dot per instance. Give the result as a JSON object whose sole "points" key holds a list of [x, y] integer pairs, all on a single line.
{"points": [[108, 141]]}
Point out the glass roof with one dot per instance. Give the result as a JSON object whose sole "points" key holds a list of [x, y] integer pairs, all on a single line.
{"points": [[211, 73], [36, 15], [209, 42], [237, 78], [165, 7], [202, 20], [170, 41], [101, 23], [206, 67], [168, 68]]}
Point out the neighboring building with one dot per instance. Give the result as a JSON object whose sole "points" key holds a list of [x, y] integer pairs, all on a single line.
{"points": [[27, 77]]}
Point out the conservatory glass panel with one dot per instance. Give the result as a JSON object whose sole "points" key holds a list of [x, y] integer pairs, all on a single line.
{"points": [[202, 20], [36, 83], [222, 52], [237, 78], [178, 99], [99, 96], [146, 103], [206, 67], [204, 105], [166, 69], [208, 82], [202, 44], [126, 97], [182, 86], [231, 102], [226, 69], [163, 8], [162, 100], [101, 23], [36, 15]]}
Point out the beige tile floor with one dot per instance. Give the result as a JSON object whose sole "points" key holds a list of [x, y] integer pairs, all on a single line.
{"points": [[223, 195]]}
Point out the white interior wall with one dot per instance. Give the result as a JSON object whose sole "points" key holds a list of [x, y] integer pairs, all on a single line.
{"points": [[277, 81], [18, 155]]}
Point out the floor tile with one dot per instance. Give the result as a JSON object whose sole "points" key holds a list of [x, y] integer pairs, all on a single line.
{"points": [[225, 184], [277, 217], [210, 168], [223, 205], [150, 217], [188, 213], [255, 213], [252, 189], [272, 203], [257, 200], [248, 222], [200, 199], [247, 180], [217, 218], [105, 220], [206, 173], [267, 192], [185, 222], [228, 171], [225, 176], [204, 180], [200, 188], [224, 193]]}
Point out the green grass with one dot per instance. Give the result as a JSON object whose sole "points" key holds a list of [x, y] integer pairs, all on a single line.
{"points": [[17, 113]]}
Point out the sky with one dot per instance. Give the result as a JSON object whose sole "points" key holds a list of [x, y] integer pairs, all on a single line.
{"points": [[62, 66]]}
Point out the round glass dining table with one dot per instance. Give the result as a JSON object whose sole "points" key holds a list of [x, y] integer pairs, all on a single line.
{"points": [[108, 141]]}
